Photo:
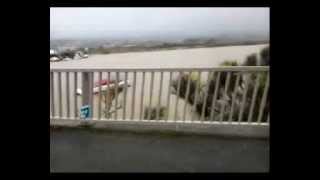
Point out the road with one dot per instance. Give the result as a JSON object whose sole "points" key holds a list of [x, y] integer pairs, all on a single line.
{"points": [[74, 150]]}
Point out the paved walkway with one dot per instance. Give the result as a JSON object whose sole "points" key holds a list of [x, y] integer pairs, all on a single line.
{"points": [[89, 151]]}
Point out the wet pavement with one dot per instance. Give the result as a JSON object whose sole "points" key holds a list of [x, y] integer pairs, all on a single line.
{"points": [[78, 150]]}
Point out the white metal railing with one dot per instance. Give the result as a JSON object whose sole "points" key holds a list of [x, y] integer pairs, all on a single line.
{"points": [[221, 95]]}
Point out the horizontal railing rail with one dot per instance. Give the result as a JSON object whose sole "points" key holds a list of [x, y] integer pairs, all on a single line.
{"points": [[220, 68], [217, 95]]}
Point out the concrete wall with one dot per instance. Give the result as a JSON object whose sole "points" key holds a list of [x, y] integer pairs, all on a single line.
{"points": [[234, 130]]}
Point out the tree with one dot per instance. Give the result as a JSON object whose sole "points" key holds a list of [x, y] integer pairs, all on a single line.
{"points": [[265, 56], [251, 60]]}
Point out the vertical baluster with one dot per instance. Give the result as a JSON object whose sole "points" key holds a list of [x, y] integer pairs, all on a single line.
{"points": [[196, 95], [125, 96], [116, 96], [133, 95], [68, 94], [186, 99], [204, 105], [151, 90], [91, 94], [142, 95], [215, 95], [177, 98], [254, 96], [169, 93], [234, 94], [100, 92], [108, 98], [75, 94], [160, 93], [264, 98], [225, 95], [244, 97], [52, 94], [60, 94]]}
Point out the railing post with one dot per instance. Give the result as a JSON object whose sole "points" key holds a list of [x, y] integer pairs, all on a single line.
{"points": [[87, 91]]}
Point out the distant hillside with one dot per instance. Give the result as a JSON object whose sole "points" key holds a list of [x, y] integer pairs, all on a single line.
{"points": [[105, 46]]}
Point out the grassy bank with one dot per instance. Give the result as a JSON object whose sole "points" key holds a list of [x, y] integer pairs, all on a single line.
{"points": [[167, 46]]}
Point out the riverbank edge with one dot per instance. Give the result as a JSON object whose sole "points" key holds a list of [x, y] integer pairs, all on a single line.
{"points": [[156, 49]]}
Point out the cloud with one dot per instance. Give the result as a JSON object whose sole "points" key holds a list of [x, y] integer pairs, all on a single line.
{"points": [[82, 22]]}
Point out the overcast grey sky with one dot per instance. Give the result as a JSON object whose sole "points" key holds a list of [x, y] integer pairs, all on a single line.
{"points": [[123, 22]]}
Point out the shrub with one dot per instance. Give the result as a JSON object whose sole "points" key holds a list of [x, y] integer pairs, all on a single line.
{"points": [[153, 110], [251, 60], [194, 81], [225, 99], [233, 78], [265, 56], [261, 87], [229, 63]]}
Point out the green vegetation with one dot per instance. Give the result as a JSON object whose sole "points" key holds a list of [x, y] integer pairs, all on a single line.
{"points": [[153, 113], [99, 50], [265, 56], [229, 63], [225, 99], [251, 60], [194, 81]]}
